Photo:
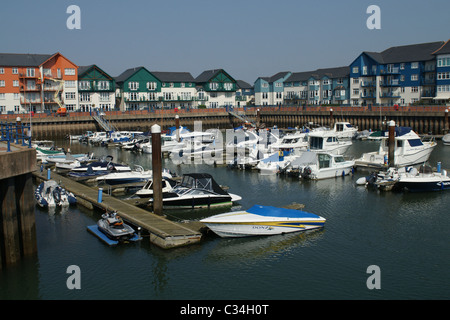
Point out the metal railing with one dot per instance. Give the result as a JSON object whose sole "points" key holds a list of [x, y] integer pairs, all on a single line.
{"points": [[14, 133]]}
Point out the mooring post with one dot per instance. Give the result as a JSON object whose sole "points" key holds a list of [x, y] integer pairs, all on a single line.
{"points": [[391, 143], [258, 117], [446, 122], [100, 195], [177, 127], [331, 117], [157, 169]]}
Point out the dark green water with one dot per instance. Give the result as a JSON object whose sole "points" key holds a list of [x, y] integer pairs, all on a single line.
{"points": [[405, 235]]}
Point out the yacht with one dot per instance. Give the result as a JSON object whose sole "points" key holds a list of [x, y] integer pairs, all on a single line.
{"points": [[327, 140]]}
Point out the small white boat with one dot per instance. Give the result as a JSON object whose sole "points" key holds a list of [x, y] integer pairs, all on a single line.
{"points": [[320, 165], [422, 180], [50, 194], [446, 139], [262, 220], [296, 140], [345, 130], [147, 190]]}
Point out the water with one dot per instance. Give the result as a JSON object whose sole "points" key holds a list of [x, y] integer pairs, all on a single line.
{"points": [[405, 235]]}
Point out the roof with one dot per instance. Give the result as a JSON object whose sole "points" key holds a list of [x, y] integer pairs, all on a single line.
{"points": [[173, 76], [275, 77], [444, 49], [338, 72], [407, 53], [243, 85], [23, 59], [127, 73], [207, 75]]}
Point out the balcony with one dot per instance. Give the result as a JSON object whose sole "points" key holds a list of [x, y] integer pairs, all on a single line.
{"points": [[389, 95], [368, 83], [391, 71], [390, 83]]}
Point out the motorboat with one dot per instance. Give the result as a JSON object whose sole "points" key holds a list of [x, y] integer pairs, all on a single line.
{"points": [[197, 190], [384, 180], [97, 168], [296, 140], [98, 137], [446, 139], [276, 162], [50, 194], [112, 225], [344, 130], [67, 158], [409, 149], [424, 179], [136, 175], [262, 220], [320, 165], [147, 190], [327, 141]]}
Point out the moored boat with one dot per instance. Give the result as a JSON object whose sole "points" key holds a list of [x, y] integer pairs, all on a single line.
{"points": [[50, 194], [262, 220], [112, 225]]}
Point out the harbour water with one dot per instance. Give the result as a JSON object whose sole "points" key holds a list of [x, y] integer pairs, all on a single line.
{"points": [[405, 235]]}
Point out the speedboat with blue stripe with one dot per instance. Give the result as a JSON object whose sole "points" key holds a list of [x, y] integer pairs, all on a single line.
{"points": [[262, 220]]}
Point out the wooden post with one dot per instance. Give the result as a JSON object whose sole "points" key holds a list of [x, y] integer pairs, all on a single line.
{"points": [[446, 122], [391, 143], [157, 169], [177, 127], [258, 118], [331, 118]]}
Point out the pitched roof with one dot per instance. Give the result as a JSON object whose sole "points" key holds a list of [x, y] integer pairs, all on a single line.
{"points": [[243, 85], [127, 73], [338, 72], [275, 77], [23, 59], [444, 49], [207, 75], [407, 53], [173, 76]]}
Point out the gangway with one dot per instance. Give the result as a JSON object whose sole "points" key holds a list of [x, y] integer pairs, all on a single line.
{"points": [[243, 118], [105, 124]]}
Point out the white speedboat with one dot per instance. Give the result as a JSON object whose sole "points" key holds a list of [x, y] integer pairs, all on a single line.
{"points": [[147, 190], [424, 179], [276, 162], [297, 140], [136, 175], [262, 220], [446, 139], [327, 141], [320, 165], [409, 150], [50, 194], [197, 190]]}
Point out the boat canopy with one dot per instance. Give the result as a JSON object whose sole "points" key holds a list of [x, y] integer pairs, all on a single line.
{"points": [[306, 158], [269, 211], [201, 181]]}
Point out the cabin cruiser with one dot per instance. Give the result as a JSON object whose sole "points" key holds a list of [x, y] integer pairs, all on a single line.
{"points": [[197, 190], [326, 140], [112, 225], [262, 220], [344, 130], [276, 162], [409, 148], [297, 140], [50, 194], [320, 165]]}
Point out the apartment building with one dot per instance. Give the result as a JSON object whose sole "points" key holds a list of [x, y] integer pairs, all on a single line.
{"points": [[443, 72], [398, 75], [216, 88], [269, 90], [36, 82], [321, 86]]}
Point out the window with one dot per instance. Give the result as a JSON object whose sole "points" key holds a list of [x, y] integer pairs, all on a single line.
{"points": [[414, 89], [70, 83], [104, 96], [355, 70], [48, 72], [2, 83], [85, 97], [15, 70], [340, 81], [151, 85], [402, 66], [2, 70], [2, 96], [133, 85], [15, 83], [229, 85], [30, 72], [364, 70], [414, 77], [69, 71], [70, 95], [443, 75], [133, 96], [213, 85], [84, 85], [414, 65], [103, 85], [355, 80]]}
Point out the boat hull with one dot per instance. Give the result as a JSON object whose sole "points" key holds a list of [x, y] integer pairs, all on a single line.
{"points": [[423, 185], [263, 221]]}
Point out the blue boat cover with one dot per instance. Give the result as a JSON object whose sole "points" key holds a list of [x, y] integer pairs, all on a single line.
{"points": [[269, 211]]}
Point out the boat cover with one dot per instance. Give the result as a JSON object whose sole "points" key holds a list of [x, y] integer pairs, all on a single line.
{"points": [[269, 211], [306, 158]]}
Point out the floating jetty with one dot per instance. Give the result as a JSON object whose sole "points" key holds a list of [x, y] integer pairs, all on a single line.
{"points": [[162, 232]]}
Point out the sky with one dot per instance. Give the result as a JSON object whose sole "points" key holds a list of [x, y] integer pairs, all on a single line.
{"points": [[246, 38]]}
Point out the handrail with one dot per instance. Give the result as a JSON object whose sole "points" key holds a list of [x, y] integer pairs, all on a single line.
{"points": [[13, 133]]}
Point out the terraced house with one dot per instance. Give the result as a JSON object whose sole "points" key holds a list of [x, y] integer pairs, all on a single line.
{"points": [[398, 75], [269, 90], [96, 90], [36, 82], [322, 86], [216, 88], [443, 72]]}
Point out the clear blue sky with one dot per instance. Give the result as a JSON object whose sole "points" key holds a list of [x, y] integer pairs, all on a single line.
{"points": [[247, 38]]}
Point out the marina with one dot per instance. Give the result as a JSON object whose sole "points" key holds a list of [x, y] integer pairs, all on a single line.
{"points": [[364, 227]]}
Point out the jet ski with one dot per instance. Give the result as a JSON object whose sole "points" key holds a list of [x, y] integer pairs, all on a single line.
{"points": [[112, 225]]}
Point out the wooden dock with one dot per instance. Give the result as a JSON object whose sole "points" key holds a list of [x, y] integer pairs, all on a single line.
{"points": [[163, 232]]}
